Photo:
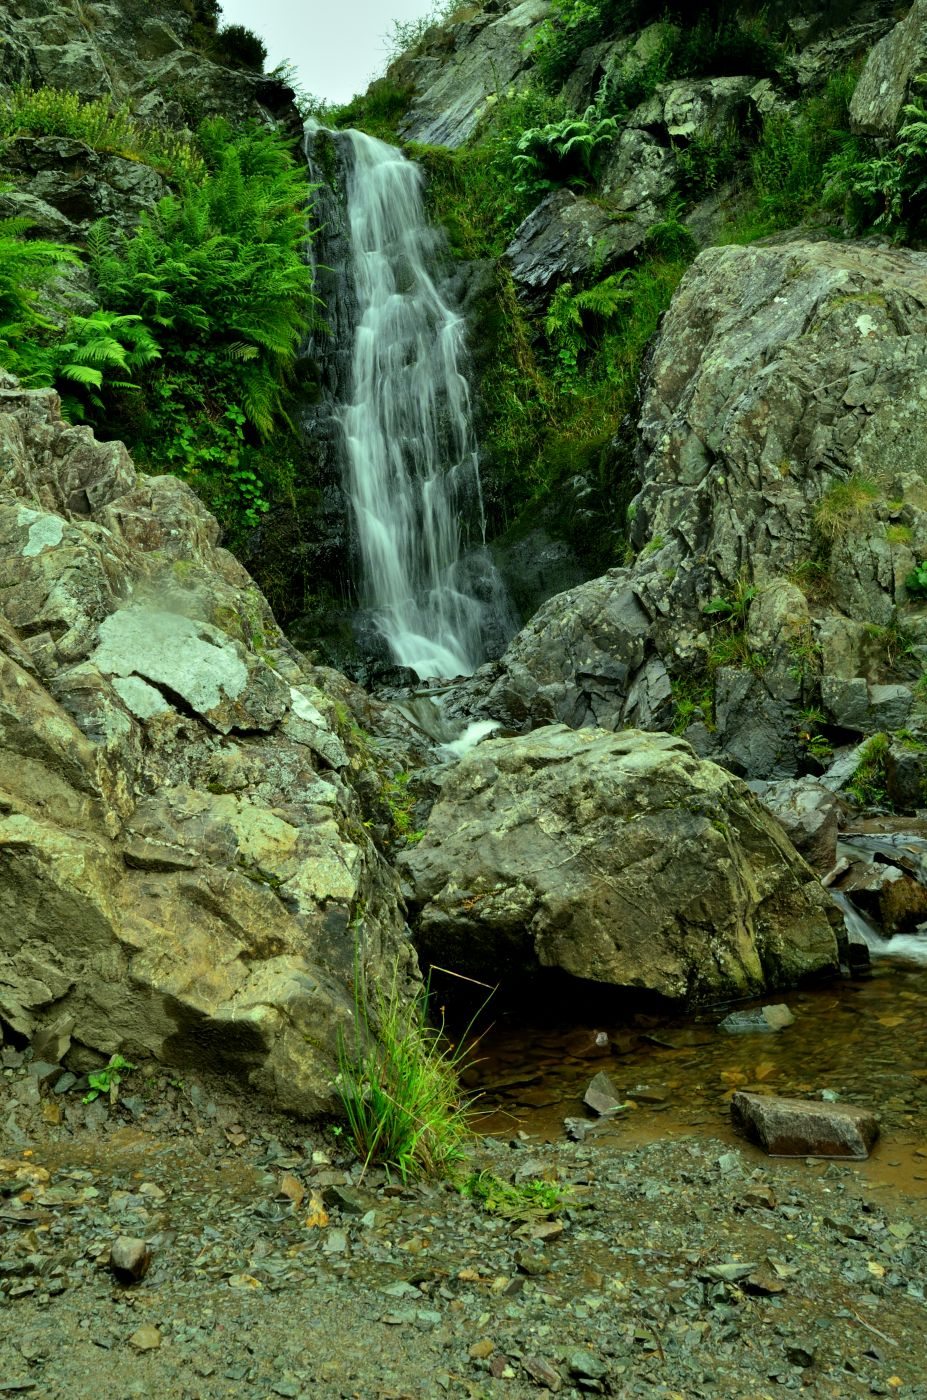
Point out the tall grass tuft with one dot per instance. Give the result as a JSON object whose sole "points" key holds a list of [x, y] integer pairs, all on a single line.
{"points": [[399, 1085]]}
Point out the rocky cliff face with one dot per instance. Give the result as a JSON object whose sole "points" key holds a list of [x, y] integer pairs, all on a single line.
{"points": [[184, 866], [781, 511]]}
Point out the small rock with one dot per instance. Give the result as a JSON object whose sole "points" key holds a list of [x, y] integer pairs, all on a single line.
{"points": [[803, 1127], [582, 1363], [145, 1338], [542, 1372], [66, 1082], [482, 1350], [129, 1259], [532, 1262], [602, 1096], [762, 1022]]}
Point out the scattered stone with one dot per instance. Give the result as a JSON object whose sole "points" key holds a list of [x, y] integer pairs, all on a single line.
{"points": [[543, 1372], [803, 1127], [762, 1021], [583, 1363], [532, 1262], [482, 1350], [145, 1338], [129, 1259]]}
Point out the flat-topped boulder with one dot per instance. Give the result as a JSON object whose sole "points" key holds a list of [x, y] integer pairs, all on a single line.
{"points": [[805, 1127]]}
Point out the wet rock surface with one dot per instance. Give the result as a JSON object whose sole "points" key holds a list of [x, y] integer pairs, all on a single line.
{"points": [[803, 1128], [683, 1267]]}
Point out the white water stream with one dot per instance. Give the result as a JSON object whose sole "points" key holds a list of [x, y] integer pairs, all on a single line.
{"points": [[412, 472]]}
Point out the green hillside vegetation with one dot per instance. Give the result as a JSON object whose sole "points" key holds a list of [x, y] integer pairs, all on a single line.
{"points": [[190, 354]]}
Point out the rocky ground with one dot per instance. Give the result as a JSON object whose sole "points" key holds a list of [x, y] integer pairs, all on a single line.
{"points": [[685, 1268]]}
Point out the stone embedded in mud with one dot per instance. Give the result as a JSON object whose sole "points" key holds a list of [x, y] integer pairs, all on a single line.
{"points": [[617, 858], [129, 1259], [763, 1021], [803, 1127]]}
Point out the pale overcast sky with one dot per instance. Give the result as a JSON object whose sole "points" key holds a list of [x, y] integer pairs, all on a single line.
{"points": [[336, 45]]}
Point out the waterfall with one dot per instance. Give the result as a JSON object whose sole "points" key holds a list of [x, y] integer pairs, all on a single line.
{"points": [[410, 460]]}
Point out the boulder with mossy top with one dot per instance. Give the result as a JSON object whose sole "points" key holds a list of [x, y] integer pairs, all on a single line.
{"points": [[618, 859]]}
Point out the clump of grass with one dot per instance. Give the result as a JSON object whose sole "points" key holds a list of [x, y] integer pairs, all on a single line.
{"points": [[845, 505], [868, 784], [524, 1200], [399, 1084]]}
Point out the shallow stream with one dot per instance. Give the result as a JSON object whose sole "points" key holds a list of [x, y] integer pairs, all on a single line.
{"points": [[864, 1040]]}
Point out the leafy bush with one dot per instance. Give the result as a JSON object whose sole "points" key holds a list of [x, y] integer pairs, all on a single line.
{"points": [[239, 47], [886, 191], [707, 161], [99, 124], [561, 153], [789, 167], [575, 319], [710, 39], [916, 581]]}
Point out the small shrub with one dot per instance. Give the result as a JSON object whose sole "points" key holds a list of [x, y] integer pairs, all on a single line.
{"points": [[239, 47], [916, 582], [526, 1200], [107, 1080], [101, 125], [867, 787]]}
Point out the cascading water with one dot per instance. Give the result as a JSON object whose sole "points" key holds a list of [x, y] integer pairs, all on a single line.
{"points": [[410, 454]]}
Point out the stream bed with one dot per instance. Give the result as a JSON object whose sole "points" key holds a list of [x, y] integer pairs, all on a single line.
{"points": [[864, 1040]]}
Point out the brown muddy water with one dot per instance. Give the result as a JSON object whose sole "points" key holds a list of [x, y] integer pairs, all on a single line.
{"points": [[863, 1040]]}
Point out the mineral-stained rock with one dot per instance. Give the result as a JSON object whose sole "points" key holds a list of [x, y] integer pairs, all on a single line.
{"points": [[805, 1127], [618, 858], [183, 858]]}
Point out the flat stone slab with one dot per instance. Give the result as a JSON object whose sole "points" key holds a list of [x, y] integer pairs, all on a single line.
{"points": [[804, 1127]]}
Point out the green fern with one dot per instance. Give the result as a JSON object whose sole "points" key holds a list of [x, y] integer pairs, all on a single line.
{"points": [[222, 264], [887, 191], [562, 153], [575, 320]]}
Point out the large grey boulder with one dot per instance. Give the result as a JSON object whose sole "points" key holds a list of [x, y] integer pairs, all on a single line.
{"points": [[889, 78], [783, 472], [185, 870], [617, 858]]}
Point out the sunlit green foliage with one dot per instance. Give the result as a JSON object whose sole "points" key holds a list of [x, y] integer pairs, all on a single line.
{"points": [[101, 125]]}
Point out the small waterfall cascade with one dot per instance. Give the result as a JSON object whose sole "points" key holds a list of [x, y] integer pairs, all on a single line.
{"points": [[403, 407]]}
